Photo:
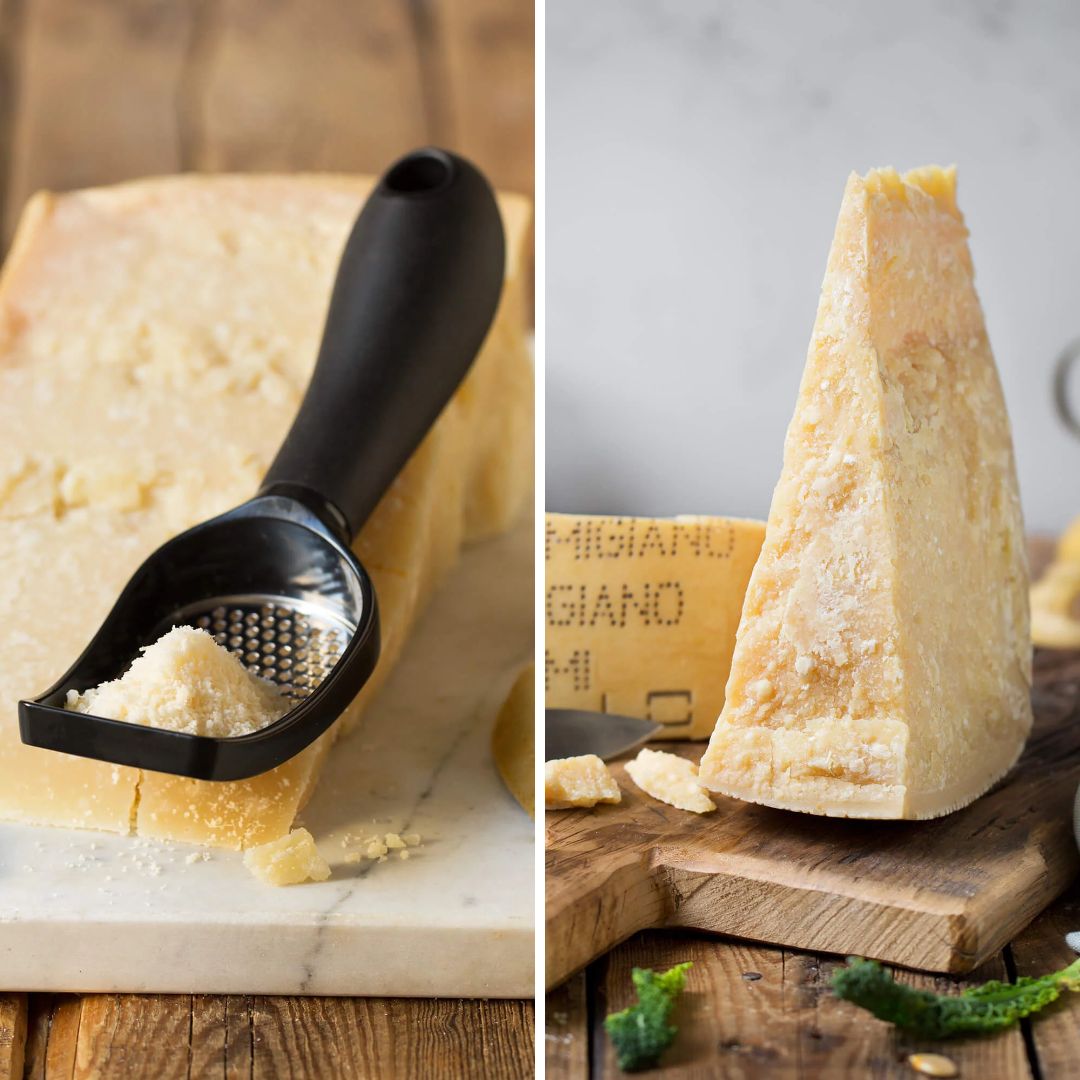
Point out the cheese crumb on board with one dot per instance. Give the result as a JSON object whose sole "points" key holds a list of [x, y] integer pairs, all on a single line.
{"points": [[641, 615], [186, 682], [578, 781], [288, 860], [513, 740], [671, 779], [882, 667]]}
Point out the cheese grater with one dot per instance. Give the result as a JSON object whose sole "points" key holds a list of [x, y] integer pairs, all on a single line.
{"points": [[275, 580]]}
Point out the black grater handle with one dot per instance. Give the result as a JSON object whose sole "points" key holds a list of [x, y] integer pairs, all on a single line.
{"points": [[416, 291]]}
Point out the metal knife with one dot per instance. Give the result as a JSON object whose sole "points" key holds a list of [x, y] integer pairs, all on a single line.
{"points": [[570, 732]]}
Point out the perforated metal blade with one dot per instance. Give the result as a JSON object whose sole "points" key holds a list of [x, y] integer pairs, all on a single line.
{"points": [[283, 640]]}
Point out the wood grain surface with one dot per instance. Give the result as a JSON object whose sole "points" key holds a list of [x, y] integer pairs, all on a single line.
{"points": [[99, 91], [941, 895], [762, 1013]]}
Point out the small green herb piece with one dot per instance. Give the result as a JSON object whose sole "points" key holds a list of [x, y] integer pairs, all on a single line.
{"points": [[990, 1007], [641, 1033]]}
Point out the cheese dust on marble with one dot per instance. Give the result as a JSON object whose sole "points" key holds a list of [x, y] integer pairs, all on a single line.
{"points": [[883, 661], [185, 681], [578, 781]]}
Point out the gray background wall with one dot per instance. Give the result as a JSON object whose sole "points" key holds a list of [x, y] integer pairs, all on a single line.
{"points": [[696, 155]]}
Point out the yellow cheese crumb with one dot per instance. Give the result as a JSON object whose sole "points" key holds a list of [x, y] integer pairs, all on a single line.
{"points": [[288, 860], [671, 779], [185, 681], [578, 781], [376, 849], [392, 840]]}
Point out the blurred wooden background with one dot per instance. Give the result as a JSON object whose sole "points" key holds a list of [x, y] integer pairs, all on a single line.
{"points": [[95, 91]]}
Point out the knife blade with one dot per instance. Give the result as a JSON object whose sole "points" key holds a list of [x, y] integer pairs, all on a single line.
{"points": [[570, 732]]}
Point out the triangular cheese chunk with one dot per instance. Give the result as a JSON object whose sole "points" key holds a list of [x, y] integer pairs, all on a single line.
{"points": [[883, 661]]}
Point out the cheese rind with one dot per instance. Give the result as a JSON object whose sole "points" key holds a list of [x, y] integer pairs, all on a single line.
{"points": [[578, 782], [883, 660], [671, 779], [155, 341], [513, 742], [641, 614]]}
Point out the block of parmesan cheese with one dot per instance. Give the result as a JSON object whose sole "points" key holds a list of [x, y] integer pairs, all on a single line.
{"points": [[155, 341], [641, 615], [883, 661]]}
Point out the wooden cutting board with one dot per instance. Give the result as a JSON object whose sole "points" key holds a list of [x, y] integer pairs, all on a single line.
{"points": [[937, 895]]}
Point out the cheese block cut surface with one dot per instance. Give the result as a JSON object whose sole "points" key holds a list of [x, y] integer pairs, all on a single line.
{"points": [[156, 339], [578, 782], [641, 615], [883, 661]]}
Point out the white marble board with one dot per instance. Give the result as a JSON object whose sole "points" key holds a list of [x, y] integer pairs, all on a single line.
{"points": [[84, 911]]}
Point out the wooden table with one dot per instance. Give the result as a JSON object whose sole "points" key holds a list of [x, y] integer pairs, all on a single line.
{"points": [[756, 1012], [96, 91], [760, 1013]]}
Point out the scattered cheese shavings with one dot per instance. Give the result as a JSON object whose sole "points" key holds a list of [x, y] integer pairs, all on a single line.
{"points": [[671, 779], [186, 682], [578, 781], [288, 860]]}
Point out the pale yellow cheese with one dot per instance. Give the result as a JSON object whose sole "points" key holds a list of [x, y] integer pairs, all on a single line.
{"points": [[513, 742], [641, 615], [578, 781], [185, 681], [883, 661], [671, 779], [288, 860], [155, 341], [1055, 597]]}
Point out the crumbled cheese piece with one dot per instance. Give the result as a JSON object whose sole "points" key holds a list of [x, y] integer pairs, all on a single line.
{"points": [[376, 849], [412, 839], [392, 840], [197, 856], [671, 779], [578, 781], [288, 860], [187, 682]]}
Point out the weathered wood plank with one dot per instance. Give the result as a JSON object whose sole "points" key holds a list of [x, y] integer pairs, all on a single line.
{"points": [[753, 1012], [13, 1030], [566, 1038], [136, 1036], [1040, 949], [96, 97], [390, 1037], [482, 53], [938, 895], [303, 84], [11, 20], [52, 1040]]}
